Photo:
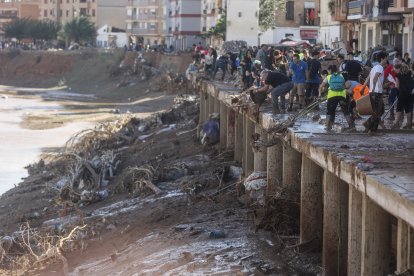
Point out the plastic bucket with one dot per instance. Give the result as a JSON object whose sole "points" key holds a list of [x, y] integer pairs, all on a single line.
{"points": [[364, 105]]}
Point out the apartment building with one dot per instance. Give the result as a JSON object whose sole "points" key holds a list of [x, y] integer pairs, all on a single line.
{"points": [[65, 10], [12, 9], [111, 13], [330, 29], [185, 23], [300, 20], [144, 21], [243, 21]]}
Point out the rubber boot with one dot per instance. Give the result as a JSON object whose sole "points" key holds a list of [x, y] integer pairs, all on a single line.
{"points": [[329, 123], [290, 107], [350, 121], [409, 124], [398, 121], [391, 117]]}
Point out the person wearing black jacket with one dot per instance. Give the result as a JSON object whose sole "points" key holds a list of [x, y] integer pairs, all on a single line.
{"points": [[405, 85]]}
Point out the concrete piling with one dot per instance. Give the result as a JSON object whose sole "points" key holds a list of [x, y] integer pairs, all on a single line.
{"points": [[335, 242], [274, 167], [223, 126], [311, 203], [354, 231], [341, 207], [231, 128], [248, 160], [239, 138], [375, 243], [260, 155], [292, 160]]}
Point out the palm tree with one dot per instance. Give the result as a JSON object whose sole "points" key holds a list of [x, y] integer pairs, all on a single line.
{"points": [[80, 30]]}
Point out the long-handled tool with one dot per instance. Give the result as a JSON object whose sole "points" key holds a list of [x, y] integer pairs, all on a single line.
{"points": [[381, 123]]}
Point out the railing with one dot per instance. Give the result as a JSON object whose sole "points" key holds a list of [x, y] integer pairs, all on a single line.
{"points": [[355, 7], [142, 31], [142, 17]]}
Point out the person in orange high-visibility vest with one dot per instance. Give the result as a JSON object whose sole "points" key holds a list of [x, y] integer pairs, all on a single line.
{"points": [[353, 90]]}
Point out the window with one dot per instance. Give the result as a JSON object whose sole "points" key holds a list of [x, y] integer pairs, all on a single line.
{"points": [[60, 12], [152, 26], [67, 13], [289, 10], [82, 11], [240, 14], [44, 13], [45, 1], [93, 12], [67, 1]]}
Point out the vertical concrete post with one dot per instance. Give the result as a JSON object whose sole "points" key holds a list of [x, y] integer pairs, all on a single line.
{"points": [[248, 157], [354, 231], [376, 228], [274, 167], [216, 105], [239, 138], [231, 128], [223, 126], [292, 160], [202, 117], [335, 230], [244, 163], [311, 202], [203, 105], [260, 156], [210, 104], [403, 249]]}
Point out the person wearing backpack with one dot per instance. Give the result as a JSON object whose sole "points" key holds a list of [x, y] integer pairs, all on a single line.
{"points": [[336, 95]]}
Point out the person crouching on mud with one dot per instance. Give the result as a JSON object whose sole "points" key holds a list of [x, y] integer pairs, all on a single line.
{"points": [[336, 95], [278, 85]]}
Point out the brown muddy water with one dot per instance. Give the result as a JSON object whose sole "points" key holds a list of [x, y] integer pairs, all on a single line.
{"points": [[22, 143]]}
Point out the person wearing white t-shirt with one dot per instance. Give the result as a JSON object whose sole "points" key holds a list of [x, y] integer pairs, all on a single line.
{"points": [[376, 81]]}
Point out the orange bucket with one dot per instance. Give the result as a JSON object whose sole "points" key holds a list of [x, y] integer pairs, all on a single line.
{"points": [[364, 105]]}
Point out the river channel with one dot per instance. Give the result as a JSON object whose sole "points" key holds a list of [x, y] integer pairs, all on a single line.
{"points": [[21, 145]]}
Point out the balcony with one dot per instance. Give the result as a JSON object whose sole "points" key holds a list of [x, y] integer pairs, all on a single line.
{"points": [[143, 3], [140, 31], [355, 10], [142, 17], [398, 6]]}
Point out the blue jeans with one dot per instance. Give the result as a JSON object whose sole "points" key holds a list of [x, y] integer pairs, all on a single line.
{"points": [[392, 96], [280, 91]]}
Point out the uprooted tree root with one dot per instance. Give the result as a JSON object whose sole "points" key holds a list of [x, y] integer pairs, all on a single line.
{"points": [[31, 250], [138, 180], [281, 213]]}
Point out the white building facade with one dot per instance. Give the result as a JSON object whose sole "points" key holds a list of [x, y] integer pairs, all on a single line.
{"points": [[243, 21], [330, 30], [184, 24]]}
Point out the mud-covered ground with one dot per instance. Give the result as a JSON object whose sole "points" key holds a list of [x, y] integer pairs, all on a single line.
{"points": [[200, 221]]}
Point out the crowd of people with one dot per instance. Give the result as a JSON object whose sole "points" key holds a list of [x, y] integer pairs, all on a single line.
{"points": [[296, 75]]}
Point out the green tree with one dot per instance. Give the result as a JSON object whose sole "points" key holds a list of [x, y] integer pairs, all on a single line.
{"points": [[219, 31], [267, 12], [80, 30], [17, 28]]}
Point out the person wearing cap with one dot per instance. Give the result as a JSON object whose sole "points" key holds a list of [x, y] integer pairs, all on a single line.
{"points": [[256, 71], [336, 95]]}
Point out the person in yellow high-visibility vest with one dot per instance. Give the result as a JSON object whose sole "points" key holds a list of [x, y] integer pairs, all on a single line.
{"points": [[336, 95]]}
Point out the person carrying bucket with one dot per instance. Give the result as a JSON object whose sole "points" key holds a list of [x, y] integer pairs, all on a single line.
{"points": [[353, 89], [336, 95], [376, 80]]}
